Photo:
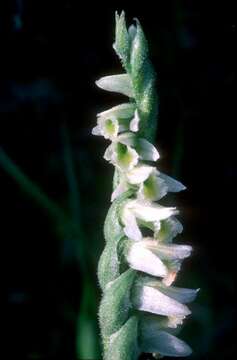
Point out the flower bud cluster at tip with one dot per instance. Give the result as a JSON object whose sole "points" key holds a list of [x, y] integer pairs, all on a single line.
{"points": [[156, 258]]}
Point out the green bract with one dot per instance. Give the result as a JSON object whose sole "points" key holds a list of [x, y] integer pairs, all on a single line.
{"points": [[140, 311]]}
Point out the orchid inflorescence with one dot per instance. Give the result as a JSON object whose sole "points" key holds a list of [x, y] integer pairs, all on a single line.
{"points": [[140, 311]]}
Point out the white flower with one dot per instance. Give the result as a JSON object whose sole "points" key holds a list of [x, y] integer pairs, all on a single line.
{"points": [[142, 259], [167, 251], [117, 83], [145, 149], [126, 150], [150, 257], [164, 344], [114, 120], [146, 212], [153, 188], [122, 156], [107, 127], [182, 295], [152, 300], [153, 185], [157, 336]]}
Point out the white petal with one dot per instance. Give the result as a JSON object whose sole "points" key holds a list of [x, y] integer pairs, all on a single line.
{"points": [[123, 111], [117, 83], [122, 187], [153, 189], [96, 130], [150, 212], [127, 138], [173, 185], [181, 295], [153, 323], [142, 259], [134, 123], [124, 157], [109, 127], [147, 151], [169, 228], [169, 251], [139, 174], [152, 300], [108, 153], [173, 251], [165, 344], [131, 228]]}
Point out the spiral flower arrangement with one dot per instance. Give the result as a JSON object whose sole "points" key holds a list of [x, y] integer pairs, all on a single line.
{"points": [[140, 310]]}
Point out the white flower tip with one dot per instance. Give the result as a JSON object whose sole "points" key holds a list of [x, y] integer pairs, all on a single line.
{"points": [[98, 82], [96, 131], [173, 185], [156, 155]]}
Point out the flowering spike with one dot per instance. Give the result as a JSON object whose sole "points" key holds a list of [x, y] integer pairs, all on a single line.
{"points": [[140, 311]]}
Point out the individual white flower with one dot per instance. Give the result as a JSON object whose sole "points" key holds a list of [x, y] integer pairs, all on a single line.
{"points": [[117, 83], [122, 156], [156, 259], [182, 295], [145, 149], [142, 259], [152, 300], [153, 188], [158, 322], [107, 127], [138, 210], [163, 343], [114, 120], [126, 150], [136, 176], [153, 185], [157, 335], [167, 251]]}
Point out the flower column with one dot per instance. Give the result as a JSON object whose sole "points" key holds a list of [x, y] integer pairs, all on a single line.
{"points": [[140, 310]]}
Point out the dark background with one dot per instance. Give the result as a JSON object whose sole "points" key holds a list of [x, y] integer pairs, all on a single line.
{"points": [[51, 54]]}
